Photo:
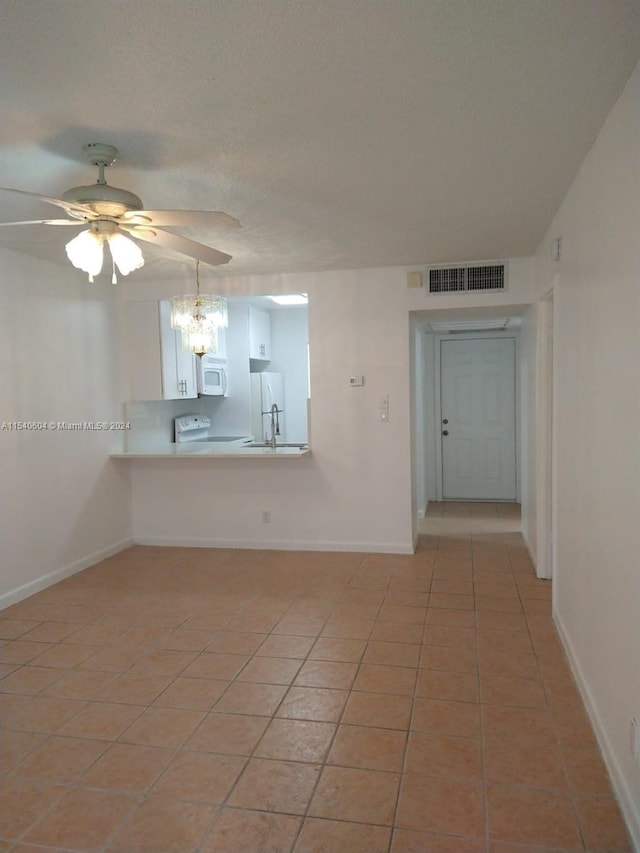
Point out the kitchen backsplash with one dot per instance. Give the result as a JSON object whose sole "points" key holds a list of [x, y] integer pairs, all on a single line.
{"points": [[152, 421]]}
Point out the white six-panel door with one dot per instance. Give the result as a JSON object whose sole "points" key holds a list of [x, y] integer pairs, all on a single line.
{"points": [[478, 429]]}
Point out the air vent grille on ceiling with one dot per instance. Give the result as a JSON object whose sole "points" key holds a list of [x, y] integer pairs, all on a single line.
{"points": [[466, 278]]}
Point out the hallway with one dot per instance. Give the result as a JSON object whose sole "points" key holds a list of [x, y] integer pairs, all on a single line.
{"points": [[227, 701], [483, 521]]}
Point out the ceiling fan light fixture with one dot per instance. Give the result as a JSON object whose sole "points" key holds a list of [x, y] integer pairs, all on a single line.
{"points": [[86, 250], [86, 253], [125, 253], [108, 211]]}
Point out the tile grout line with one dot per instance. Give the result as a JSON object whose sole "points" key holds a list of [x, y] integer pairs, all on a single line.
{"points": [[394, 824], [483, 757]]}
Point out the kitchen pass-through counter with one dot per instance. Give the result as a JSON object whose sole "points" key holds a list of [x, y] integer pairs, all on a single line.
{"points": [[216, 450], [193, 439]]}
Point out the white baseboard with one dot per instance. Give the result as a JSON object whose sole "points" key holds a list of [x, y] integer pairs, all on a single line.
{"points": [[275, 545], [27, 589], [422, 512], [629, 805]]}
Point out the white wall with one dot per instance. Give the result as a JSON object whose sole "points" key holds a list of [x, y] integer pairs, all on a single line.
{"points": [[64, 503], [354, 491], [597, 362]]}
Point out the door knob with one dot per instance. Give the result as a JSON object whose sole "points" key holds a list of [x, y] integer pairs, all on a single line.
{"points": [[445, 432]]}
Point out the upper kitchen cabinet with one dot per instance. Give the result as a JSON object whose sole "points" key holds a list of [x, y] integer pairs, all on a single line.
{"points": [[159, 368], [219, 350], [259, 334], [218, 344]]}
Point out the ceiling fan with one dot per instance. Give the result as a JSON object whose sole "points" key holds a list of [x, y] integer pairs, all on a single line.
{"points": [[112, 214]]}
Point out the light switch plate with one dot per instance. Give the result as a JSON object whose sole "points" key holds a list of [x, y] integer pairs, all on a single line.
{"points": [[634, 739], [384, 409], [356, 380]]}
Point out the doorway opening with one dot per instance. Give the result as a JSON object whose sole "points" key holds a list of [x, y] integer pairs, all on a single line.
{"points": [[440, 509], [444, 329]]}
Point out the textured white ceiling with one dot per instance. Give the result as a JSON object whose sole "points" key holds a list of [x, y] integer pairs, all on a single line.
{"points": [[341, 133]]}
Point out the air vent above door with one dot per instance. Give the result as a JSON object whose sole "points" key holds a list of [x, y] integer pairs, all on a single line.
{"points": [[467, 278]]}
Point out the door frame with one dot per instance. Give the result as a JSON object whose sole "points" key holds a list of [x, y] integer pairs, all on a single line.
{"points": [[546, 405], [437, 387]]}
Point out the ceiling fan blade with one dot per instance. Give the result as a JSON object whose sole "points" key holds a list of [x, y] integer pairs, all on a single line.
{"points": [[76, 222], [196, 218], [180, 244], [79, 210]]}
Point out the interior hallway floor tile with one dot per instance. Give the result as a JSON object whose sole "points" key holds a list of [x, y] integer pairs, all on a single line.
{"points": [[229, 701]]}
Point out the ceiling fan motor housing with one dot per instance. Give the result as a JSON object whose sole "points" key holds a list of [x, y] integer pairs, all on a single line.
{"points": [[104, 199]]}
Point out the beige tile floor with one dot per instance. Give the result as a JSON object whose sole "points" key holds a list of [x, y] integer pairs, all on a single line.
{"points": [[178, 700]]}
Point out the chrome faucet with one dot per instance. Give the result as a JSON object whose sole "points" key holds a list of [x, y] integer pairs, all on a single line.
{"points": [[274, 424]]}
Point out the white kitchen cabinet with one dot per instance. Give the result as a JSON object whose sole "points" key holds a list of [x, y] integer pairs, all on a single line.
{"points": [[259, 334], [178, 365], [221, 350], [159, 368]]}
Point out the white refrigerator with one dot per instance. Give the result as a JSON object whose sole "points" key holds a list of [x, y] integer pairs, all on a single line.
{"points": [[266, 389]]}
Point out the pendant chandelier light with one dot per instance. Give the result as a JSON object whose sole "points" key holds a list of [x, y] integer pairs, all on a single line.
{"points": [[86, 250], [199, 316]]}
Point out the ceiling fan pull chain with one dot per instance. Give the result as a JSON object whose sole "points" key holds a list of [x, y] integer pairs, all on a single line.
{"points": [[114, 278]]}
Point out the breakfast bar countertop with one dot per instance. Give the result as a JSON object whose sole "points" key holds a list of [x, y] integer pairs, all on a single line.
{"points": [[215, 450]]}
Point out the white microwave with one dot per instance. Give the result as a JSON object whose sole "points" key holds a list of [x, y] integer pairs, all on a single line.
{"points": [[212, 377]]}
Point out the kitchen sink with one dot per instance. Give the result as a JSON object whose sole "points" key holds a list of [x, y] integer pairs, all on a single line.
{"points": [[279, 444], [239, 439]]}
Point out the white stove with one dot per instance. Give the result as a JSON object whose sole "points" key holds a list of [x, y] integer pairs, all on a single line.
{"points": [[191, 428], [196, 428]]}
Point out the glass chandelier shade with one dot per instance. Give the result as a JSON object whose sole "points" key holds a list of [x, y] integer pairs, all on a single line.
{"points": [[125, 253], [86, 250], [199, 316]]}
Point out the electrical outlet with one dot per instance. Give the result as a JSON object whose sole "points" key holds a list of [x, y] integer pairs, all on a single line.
{"points": [[266, 516]]}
